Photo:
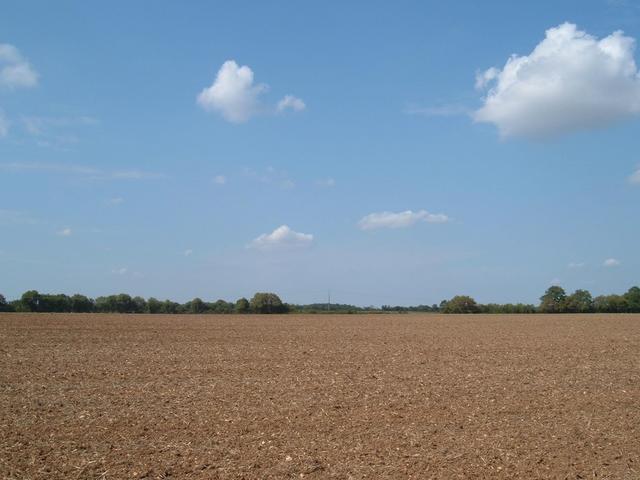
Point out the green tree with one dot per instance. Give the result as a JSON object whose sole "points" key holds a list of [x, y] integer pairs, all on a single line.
{"points": [[221, 306], [196, 306], [81, 304], [139, 305], [154, 305], [633, 299], [121, 303], [170, 307], [242, 306], [30, 301], [579, 301], [54, 303], [553, 300], [264, 302], [4, 305], [461, 304], [611, 304]]}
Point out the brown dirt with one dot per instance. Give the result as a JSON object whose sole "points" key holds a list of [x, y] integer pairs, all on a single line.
{"points": [[387, 396]]}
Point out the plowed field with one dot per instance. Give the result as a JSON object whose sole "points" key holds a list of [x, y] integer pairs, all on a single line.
{"points": [[381, 396]]}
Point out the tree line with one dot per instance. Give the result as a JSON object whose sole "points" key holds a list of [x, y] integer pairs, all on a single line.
{"points": [[554, 300], [34, 301]]}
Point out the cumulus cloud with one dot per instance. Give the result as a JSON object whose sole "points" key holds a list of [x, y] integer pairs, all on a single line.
{"points": [[635, 177], [233, 93], [65, 232], [15, 70], [400, 219], [611, 262], [485, 78], [570, 81], [237, 98], [290, 102], [282, 238]]}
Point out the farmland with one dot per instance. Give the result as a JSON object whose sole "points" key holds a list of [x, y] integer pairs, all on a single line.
{"points": [[90, 396]]}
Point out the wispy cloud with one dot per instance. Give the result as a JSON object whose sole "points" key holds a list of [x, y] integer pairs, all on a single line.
{"points": [[133, 175], [326, 182], [187, 252], [438, 111], [65, 232], [91, 173], [12, 217], [115, 201], [55, 131], [272, 176], [399, 219], [15, 70], [634, 178], [576, 264], [4, 125], [220, 180]]}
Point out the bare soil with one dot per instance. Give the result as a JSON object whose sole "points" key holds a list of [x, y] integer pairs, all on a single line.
{"points": [[382, 396]]}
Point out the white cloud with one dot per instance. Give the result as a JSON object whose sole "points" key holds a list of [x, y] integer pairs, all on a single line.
{"points": [[233, 93], [55, 131], [187, 252], [271, 176], [570, 81], [485, 78], [134, 175], [237, 98], [290, 102], [120, 271], [10, 217], [438, 111], [4, 125], [400, 219], [576, 265], [327, 182], [39, 125], [115, 201], [15, 70], [219, 179], [611, 262], [635, 177], [282, 238], [65, 232], [82, 170], [50, 167]]}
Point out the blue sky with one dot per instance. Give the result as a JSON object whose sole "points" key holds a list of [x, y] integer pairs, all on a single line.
{"points": [[387, 152]]}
